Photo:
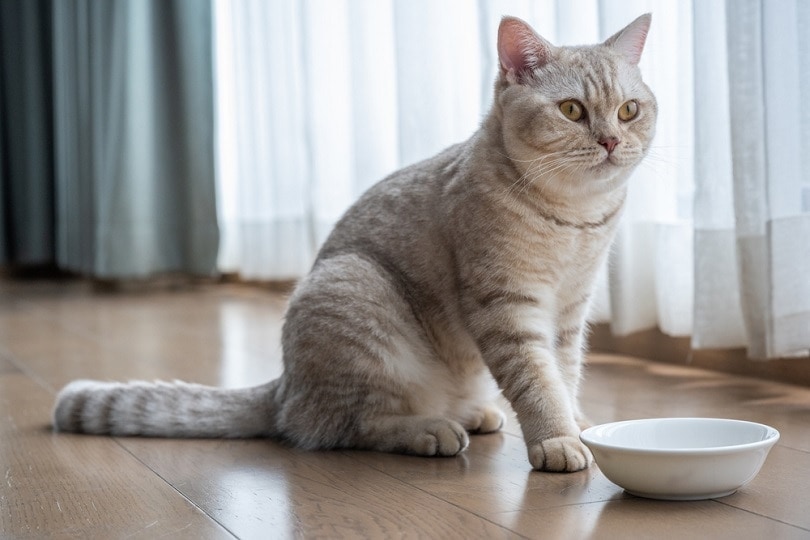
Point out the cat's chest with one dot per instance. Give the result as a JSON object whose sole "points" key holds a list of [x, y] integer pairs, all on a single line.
{"points": [[538, 230], [560, 262], [564, 244]]}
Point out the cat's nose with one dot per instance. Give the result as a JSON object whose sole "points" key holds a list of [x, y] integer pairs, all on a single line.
{"points": [[610, 143]]}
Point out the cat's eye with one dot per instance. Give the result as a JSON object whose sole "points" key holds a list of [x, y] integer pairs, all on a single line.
{"points": [[628, 110], [572, 110]]}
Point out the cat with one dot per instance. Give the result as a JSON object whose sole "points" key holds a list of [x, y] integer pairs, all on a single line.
{"points": [[451, 279]]}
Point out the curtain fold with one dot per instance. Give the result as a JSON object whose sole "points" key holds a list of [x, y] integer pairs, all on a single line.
{"points": [[767, 70], [262, 138], [319, 100], [106, 142], [751, 215], [26, 120], [718, 312], [134, 137]]}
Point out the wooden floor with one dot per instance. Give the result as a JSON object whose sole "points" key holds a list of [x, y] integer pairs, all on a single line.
{"points": [[68, 486]]}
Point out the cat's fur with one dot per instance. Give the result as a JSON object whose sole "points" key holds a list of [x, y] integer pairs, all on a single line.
{"points": [[477, 263]]}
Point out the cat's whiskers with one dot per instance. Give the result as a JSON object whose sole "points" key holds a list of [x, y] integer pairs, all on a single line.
{"points": [[546, 170], [520, 186], [660, 161], [544, 167], [663, 155], [568, 160]]}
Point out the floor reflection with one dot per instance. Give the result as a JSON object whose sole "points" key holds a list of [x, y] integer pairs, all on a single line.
{"points": [[255, 502], [251, 345]]}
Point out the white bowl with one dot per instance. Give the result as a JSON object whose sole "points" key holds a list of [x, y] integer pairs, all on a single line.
{"points": [[680, 458]]}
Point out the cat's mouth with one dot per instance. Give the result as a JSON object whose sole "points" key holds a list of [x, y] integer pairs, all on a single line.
{"points": [[608, 162]]}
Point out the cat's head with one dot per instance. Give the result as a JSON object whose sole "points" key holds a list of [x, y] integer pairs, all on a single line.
{"points": [[575, 120]]}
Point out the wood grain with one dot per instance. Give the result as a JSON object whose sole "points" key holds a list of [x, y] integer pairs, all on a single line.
{"points": [[642, 518], [6, 366], [250, 486], [66, 486], [73, 486]]}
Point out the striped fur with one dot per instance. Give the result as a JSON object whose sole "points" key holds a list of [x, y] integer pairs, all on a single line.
{"points": [[447, 281]]}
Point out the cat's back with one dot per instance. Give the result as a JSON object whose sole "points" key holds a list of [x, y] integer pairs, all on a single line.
{"points": [[403, 213]]}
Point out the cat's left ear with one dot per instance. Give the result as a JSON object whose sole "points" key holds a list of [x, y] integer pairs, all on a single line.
{"points": [[629, 42]]}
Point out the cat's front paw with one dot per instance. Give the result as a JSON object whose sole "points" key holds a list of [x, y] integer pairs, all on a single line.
{"points": [[560, 454]]}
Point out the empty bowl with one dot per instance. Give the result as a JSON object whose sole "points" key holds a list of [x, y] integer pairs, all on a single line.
{"points": [[680, 458]]}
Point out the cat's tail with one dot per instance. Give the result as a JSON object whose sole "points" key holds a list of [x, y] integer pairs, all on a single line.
{"points": [[163, 409]]}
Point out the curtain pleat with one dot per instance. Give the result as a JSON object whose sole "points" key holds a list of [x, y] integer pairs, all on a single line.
{"points": [[263, 159], [135, 130], [107, 136], [769, 98], [26, 161], [718, 313]]}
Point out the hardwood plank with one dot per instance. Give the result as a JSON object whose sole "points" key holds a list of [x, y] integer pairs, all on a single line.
{"points": [[780, 490], [494, 475], [109, 345], [6, 366], [642, 518], [252, 487], [788, 411], [70, 486], [200, 313], [661, 389], [229, 336]]}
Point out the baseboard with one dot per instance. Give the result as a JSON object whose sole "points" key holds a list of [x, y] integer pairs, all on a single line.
{"points": [[657, 346]]}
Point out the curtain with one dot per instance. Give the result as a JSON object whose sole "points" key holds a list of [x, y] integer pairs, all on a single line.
{"points": [[108, 136], [26, 125], [752, 214], [317, 100]]}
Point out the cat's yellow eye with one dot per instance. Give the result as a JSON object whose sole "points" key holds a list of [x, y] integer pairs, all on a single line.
{"points": [[572, 110], [628, 110]]}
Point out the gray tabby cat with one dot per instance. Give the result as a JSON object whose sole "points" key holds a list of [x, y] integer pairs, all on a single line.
{"points": [[477, 264]]}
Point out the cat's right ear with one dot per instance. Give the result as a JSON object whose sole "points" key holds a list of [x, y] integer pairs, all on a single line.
{"points": [[520, 49]]}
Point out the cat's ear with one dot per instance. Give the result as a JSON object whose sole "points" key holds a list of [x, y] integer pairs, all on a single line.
{"points": [[629, 41], [520, 49]]}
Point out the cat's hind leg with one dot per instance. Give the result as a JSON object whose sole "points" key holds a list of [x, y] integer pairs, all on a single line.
{"points": [[485, 419], [417, 435], [360, 371]]}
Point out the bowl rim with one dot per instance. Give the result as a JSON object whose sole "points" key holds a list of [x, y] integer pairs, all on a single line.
{"points": [[772, 436]]}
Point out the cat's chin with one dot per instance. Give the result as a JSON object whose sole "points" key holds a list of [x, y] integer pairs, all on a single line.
{"points": [[607, 168], [606, 176], [597, 188], [595, 183]]}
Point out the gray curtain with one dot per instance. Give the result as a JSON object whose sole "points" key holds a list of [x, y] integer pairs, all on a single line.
{"points": [[113, 136], [26, 144]]}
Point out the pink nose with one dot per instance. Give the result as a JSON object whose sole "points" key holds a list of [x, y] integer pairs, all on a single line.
{"points": [[610, 143]]}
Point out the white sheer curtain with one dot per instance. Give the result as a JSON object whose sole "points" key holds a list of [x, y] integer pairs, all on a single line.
{"points": [[319, 99], [752, 209]]}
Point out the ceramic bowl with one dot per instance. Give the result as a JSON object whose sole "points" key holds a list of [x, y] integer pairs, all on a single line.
{"points": [[680, 458]]}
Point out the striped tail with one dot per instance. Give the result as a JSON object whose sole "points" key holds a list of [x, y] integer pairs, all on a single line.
{"points": [[163, 409]]}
